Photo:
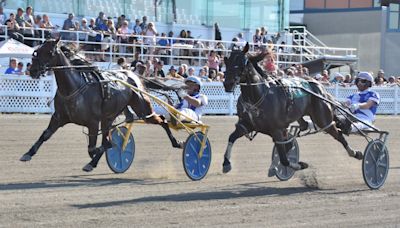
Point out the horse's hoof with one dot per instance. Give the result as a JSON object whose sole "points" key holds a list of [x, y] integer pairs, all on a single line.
{"points": [[179, 144], [25, 158], [226, 168], [303, 165], [87, 168], [272, 171], [358, 155]]}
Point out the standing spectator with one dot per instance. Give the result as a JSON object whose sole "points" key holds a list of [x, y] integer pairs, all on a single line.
{"points": [[29, 22], [100, 19], [150, 37], [46, 24], [257, 39], [213, 64], [191, 72], [68, 26], [183, 35], [217, 32], [241, 41], [3, 19], [190, 37], [269, 63], [120, 21], [124, 32], [84, 29], [12, 68], [13, 29], [137, 30], [144, 24]]}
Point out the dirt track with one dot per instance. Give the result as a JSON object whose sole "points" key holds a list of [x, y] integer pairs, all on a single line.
{"points": [[51, 190]]}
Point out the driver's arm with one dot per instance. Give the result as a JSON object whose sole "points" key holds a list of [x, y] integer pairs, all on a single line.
{"points": [[367, 105], [193, 101]]}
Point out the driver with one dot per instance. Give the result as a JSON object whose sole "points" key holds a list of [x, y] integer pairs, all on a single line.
{"points": [[362, 104], [192, 101]]}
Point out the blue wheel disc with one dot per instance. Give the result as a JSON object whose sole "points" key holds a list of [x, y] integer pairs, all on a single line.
{"points": [[117, 159], [196, 167]]}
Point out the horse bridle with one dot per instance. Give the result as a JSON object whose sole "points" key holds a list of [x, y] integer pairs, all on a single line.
{"points": [[43, 67]]}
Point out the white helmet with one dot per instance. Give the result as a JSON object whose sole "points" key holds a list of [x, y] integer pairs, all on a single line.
{"points": [[366, 76], [194, 79]]}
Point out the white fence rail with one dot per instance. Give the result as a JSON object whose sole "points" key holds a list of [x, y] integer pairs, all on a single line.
{"points": [[23, 94]]}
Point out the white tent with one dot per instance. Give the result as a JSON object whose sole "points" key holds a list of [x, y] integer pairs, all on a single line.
{"points": [[13, 48]]}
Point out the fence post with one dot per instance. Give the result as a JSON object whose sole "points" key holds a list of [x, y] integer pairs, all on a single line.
{"points": [[230, 103], [396, 96]]}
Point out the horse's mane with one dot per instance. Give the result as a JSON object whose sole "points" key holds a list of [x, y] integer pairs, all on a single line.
{"points": [[254, 59], [72, 53]]}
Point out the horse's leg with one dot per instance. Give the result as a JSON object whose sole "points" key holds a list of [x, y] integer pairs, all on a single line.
{"points": [[156, 119], [55, 123], [283, 145], [240, 130], [105, 144], [339, 137], [93, 131]]}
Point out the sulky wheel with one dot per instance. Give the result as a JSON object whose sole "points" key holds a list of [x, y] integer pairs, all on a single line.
{"points": [[196, 167], [118, 159], [284, 173], [375, 164]]}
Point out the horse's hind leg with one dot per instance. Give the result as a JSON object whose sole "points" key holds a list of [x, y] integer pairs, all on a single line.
{"points": [[156, 119], [283, 145], [339, 137], [240, 130], [54, 124]]}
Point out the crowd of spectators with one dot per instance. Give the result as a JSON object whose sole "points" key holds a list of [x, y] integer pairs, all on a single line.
{"points": [[104, 30]]}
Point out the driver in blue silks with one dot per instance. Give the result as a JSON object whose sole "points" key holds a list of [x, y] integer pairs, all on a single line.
{"points": [[364, 103], [192, 101]]}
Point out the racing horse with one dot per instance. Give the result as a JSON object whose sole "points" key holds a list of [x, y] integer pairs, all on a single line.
{"points": [[84, 100], [264, 107]]}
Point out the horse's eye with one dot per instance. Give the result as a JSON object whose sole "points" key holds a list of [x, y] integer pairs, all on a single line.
{"points": [[34, 54], [236, 67]]}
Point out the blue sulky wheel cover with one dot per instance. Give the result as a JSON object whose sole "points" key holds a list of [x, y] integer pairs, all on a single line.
{"points": [[196, 167], [375, 165], [117, 159], [284, 173]]}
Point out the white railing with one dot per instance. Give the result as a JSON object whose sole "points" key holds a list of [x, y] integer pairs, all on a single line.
{"points": [[195, 55], [23, 94]]}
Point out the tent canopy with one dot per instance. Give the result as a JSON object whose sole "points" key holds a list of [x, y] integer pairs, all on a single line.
{"points": [[13, 48]]}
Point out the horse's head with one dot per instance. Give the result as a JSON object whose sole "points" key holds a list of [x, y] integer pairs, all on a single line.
{"points": [[44, 57], [235, 66]]}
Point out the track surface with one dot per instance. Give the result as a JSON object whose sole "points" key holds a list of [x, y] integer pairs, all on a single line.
{"points": [[51, 190]]}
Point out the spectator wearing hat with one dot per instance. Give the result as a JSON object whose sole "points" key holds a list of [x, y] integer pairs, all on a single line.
{"points": [[380, 78], [338, 78], [172, 74]]}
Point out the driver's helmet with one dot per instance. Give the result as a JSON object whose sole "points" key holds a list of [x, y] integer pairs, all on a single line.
{"points": [[366, 76], [195, 80]]}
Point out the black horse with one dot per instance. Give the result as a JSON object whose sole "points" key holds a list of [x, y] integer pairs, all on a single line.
{"points": [[266, 107], [88, 97]]}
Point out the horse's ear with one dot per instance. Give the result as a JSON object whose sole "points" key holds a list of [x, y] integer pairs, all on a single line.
{"points": [[246, 48]]}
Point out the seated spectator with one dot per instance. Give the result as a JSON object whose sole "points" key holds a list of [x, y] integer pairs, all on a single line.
{"points": [[172, 74], [121, 64], [136, 60], [380, 77], [269, 63], [220, 77], [191, 72], [20, 68], [84, 28], [213, 64], [338, 78], [28, 68], [348, 79], [184, 69], [391, 81], [158, 70], [203, 75], [12, 68]]}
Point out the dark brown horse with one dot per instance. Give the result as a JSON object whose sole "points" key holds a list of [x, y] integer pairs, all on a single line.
{"points": [[83, 99], [264, 107]]}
